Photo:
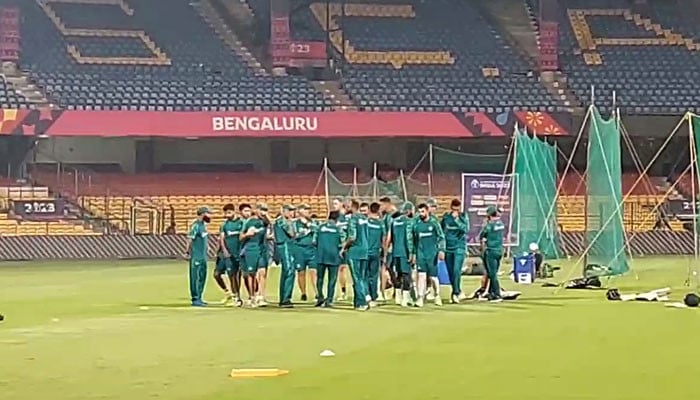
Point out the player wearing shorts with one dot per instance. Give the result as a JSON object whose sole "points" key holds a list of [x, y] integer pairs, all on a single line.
{"points": [[397, 239], [342, 223], [426, 247], [252, 240], [304, 249], [228, 257]]}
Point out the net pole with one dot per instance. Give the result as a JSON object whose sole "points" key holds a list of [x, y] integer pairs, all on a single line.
{"points": [[430, 171], [513, 190], [374, 180], [694, 174], [403, 185], [327, 185], [353, 191]]}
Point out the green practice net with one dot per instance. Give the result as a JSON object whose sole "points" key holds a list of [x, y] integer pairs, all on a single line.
{"points": [[535, 211], [446, 167], [372, 189], [604, 208]]}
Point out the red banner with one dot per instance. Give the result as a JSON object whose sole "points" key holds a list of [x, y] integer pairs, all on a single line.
{"points": [[347, 124], [9, 34]]}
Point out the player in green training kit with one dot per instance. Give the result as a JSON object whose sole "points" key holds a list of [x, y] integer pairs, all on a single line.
{"points": [[252, 239], [304, 249], [388, 211], [397, 239], [283, 230], [426, 247], [264, 260], [432, 213], [329, 239], [228, 259], [375, 243], [491, 238], [455, 225], [197, 254], [342, 224], [356, 248]]}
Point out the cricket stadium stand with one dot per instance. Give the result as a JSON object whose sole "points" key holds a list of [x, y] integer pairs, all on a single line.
{"points": [[411, 71]]}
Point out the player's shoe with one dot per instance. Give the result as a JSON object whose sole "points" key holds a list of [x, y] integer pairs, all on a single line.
{"points": [[362, 308], [462, 296], [304, 297], [237, 302], [286, 304], [405, 298], [419, 302], [397, 297], [261, 302], [368, 298], [372, 303], [430, 296], [343, 295], [438, 301], [496, 300], [228, 296], [454, 299], [199, 303]]}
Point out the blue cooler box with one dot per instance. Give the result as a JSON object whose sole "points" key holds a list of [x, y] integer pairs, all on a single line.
{"points": [[524, 269]]}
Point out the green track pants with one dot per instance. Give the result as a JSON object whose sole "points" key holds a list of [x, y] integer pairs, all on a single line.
{"points": [[198, 278]]}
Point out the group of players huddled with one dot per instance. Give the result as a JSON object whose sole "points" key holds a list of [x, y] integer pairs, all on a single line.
{"points": [[377, 243]]}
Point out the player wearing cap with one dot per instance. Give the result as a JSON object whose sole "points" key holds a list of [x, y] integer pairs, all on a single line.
{"points": [[426, 246], [196, 252], [491, 238], [228, 258], [456, 226], [304, 253], [397, 239], [356, 248], [283, 230]]}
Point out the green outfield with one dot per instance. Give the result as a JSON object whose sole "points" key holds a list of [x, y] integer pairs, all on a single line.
{"points": [[79, 331]]}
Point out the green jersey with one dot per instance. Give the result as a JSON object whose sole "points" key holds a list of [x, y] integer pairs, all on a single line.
{"points": [[199, 236], [283, 230], [257, 241], [400, 228], [427, 238], [455, 230], [231, 229], [329, 239], [342, 222], [305, 232], [375, 236], [493, 233], [357, 232]]}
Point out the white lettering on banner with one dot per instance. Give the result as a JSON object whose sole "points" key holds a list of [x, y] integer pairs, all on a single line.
{"points": [[232, 124]]}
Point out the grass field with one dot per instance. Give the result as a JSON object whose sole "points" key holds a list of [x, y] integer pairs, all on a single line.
{"points": [[78, 331]]}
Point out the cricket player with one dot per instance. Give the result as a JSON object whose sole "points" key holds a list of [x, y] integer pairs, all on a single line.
{"points": [[304, 250], [252, 241], [397, 240], [375, 243], [491, 238], [426, 247], [343, 217], [283, 230], [356, 250], [455, 225], [329, 239], [432, 214], [228, 259], [197, 254], [261, 210], [388, 211]]}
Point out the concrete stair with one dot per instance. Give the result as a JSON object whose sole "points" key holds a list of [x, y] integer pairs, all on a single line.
{"points": [[240, 10], [519, 27], [209, 14], [334, 92], [22, 84]]}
